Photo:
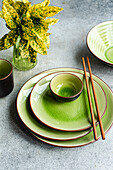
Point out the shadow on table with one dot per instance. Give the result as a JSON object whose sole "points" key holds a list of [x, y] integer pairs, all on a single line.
{"points": [[96, 64], [81, 52]]}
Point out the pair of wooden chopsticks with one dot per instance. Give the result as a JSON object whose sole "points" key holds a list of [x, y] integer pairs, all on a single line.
{"points": [[90, 103]]}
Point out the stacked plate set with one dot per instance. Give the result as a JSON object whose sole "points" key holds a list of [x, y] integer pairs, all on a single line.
{"points": [[63, 124]]}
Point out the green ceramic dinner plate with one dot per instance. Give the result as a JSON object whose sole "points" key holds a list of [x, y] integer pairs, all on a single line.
{"points": [[65, 116], [100, 42], [41, 130], [107, 119]]}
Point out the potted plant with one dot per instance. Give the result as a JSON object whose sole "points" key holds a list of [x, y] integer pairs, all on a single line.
{"points": [[28, 30]]}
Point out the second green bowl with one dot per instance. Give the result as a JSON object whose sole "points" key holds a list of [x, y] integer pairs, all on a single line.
{"points": [[100, 42]]}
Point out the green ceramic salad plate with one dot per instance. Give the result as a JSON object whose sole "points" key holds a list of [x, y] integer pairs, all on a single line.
{"points": [[65, 116], [100, 42], [45, 133]]}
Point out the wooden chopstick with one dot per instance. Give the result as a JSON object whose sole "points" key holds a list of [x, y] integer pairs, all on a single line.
{"points": [[90, 103], [96, 103]]}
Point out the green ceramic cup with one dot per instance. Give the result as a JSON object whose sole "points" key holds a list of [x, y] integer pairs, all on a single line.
{"points": [[6, 77], [66, 87]]}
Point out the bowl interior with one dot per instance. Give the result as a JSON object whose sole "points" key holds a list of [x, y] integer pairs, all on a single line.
{"points": [[66, 85], [100, 41], [5, 68]]}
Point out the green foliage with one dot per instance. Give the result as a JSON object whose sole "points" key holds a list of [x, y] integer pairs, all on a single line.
{"points": [[29, 23]]}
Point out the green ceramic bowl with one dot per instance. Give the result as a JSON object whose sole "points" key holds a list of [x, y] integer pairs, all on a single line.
{"points": [[6, 77], [66, 87], [100, 42]]}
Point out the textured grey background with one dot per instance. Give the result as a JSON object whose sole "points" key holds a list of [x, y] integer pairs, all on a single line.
{"points": [[18, 149]]}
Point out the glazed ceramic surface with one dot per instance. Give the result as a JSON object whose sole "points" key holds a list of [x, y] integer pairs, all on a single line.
{"points": [[66, 87], [32, 123], [66, 116], [6, 77], [107, 119], [5, 68], [100, 42]]}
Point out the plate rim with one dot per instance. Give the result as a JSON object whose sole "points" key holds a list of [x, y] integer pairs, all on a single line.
{"points": [[67, 146]]}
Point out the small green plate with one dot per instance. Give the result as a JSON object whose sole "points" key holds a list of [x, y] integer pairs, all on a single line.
{"points": [[65, 116]]}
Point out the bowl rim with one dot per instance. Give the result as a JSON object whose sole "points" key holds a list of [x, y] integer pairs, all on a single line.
{"points": [[70, 97], [102, 23]]}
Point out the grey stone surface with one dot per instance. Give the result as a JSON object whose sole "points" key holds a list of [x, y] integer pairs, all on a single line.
{"points": [[18, 149]]}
